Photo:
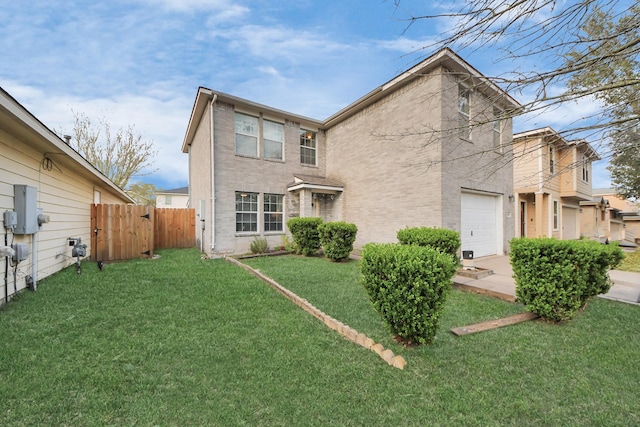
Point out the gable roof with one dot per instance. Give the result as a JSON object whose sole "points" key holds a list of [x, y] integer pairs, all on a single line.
{"points": [[446, 58], [549, 133], [181, 190], [17, 120], [206, 96]]}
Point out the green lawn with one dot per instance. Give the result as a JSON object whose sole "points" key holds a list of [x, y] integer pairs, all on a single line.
{"points": [[631, 262], [181, 341]]}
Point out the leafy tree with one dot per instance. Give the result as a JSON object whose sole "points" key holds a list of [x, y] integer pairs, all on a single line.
{"points": [[614, 75], [118, 155], [143, 194], [625, 164], [569, 52]]}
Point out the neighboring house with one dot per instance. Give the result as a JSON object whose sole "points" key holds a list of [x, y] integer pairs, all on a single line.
{"points": [[52, 177], [431, 147], [598, 220], [175, 198], [552, 177], [622, 221]]}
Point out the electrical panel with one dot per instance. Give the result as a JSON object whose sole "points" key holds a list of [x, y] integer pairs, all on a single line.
{"points": [[25, 204], [21, 251]]}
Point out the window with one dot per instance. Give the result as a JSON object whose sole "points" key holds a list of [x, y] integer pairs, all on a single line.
{"points": [[167, 200], [273, 212], [246, 135], [555, 214], [497, 128], [308, 148], [273, 140], [552, 160], [463, 112], [246, 212], [585, 169]]}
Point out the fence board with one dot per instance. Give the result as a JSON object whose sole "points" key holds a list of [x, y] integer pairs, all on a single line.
{"points": [[175, 228], [128, 231]]}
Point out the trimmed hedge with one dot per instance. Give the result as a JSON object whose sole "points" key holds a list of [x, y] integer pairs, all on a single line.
{"points": [[337, 239], [442, 239], [407, 286], [305, 235], [556, 278]]}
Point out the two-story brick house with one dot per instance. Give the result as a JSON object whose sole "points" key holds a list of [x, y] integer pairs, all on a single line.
{"points": [[431, 147], [552, 176]]}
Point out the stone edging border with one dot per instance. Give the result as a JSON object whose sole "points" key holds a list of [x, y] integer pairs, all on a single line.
{"points": [[362, 340]]}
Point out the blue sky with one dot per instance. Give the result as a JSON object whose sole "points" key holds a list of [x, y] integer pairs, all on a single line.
{"points": [[140, 62]]}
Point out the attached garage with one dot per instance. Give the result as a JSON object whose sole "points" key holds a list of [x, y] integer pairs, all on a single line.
{"points": [[570, 223], [481, 229]]}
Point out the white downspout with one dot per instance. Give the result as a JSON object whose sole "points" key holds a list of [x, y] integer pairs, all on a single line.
{"points": [[34, 260], [213, 178]]}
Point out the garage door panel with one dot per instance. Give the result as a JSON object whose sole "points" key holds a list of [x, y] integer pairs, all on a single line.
{"points": [[479, 224]]}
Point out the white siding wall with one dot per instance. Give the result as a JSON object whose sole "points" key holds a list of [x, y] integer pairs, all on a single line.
{"points": [[64, 194]]}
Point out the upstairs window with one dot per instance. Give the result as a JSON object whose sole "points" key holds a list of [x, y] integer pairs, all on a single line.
{"points": [[497, 128], [552, 160], [273, 140], [308, 149], [273, 212], [246, 212], [246, 135], [585, 169], [463, 112]]}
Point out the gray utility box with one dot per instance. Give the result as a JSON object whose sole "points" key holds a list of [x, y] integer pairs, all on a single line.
{"points": [[25, 202], [21, 251]]}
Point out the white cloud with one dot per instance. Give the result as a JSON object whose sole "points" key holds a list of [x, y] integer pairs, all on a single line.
{"points": [[160, 119]]}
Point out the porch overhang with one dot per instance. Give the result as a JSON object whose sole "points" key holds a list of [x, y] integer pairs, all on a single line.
{"points": [[315, 184]]}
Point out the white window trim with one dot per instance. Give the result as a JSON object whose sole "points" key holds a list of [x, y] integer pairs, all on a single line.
{"points": [[467, 115], [235, 132], [282, 150], [555, 214], [258, 212], [315, 149], [264, 212]]}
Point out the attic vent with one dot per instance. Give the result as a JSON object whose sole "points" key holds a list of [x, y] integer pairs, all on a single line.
{"points": [[67, 139]]}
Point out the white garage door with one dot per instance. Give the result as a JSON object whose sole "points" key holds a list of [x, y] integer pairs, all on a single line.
{"points": [[479, 231], [569, 223]]}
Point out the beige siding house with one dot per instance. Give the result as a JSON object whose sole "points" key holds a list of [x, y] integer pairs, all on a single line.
{"points": [[175, 198], [552, 176], [431, 147], [62, 184], [611, 217]]}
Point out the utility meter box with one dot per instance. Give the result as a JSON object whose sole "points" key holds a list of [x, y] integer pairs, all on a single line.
{"points": [[21, 251], [25, 205]]}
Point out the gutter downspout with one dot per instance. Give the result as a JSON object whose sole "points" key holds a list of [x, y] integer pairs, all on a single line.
{"points": [[34, 260], [213, 178]]}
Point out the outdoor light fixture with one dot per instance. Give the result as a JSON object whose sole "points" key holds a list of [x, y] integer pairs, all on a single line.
{"points": [[512, 198]]}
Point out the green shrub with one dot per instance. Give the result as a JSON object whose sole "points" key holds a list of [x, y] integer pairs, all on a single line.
{"points": [[446, 241], [259, 245], [305, 235], [555, 278], [337, 239], [407, 285]]}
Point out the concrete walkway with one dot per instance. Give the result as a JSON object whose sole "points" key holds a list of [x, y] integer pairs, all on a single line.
{"points": [[626, 287]]}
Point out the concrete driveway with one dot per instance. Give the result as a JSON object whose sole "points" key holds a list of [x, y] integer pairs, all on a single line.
{"points": [[626, 287]]}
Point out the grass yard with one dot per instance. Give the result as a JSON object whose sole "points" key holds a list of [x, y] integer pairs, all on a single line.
{"points": [[181, 341], [631, 262]]}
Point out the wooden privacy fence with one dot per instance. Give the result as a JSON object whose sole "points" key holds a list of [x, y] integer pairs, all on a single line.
{"points": [[127, 231]]}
